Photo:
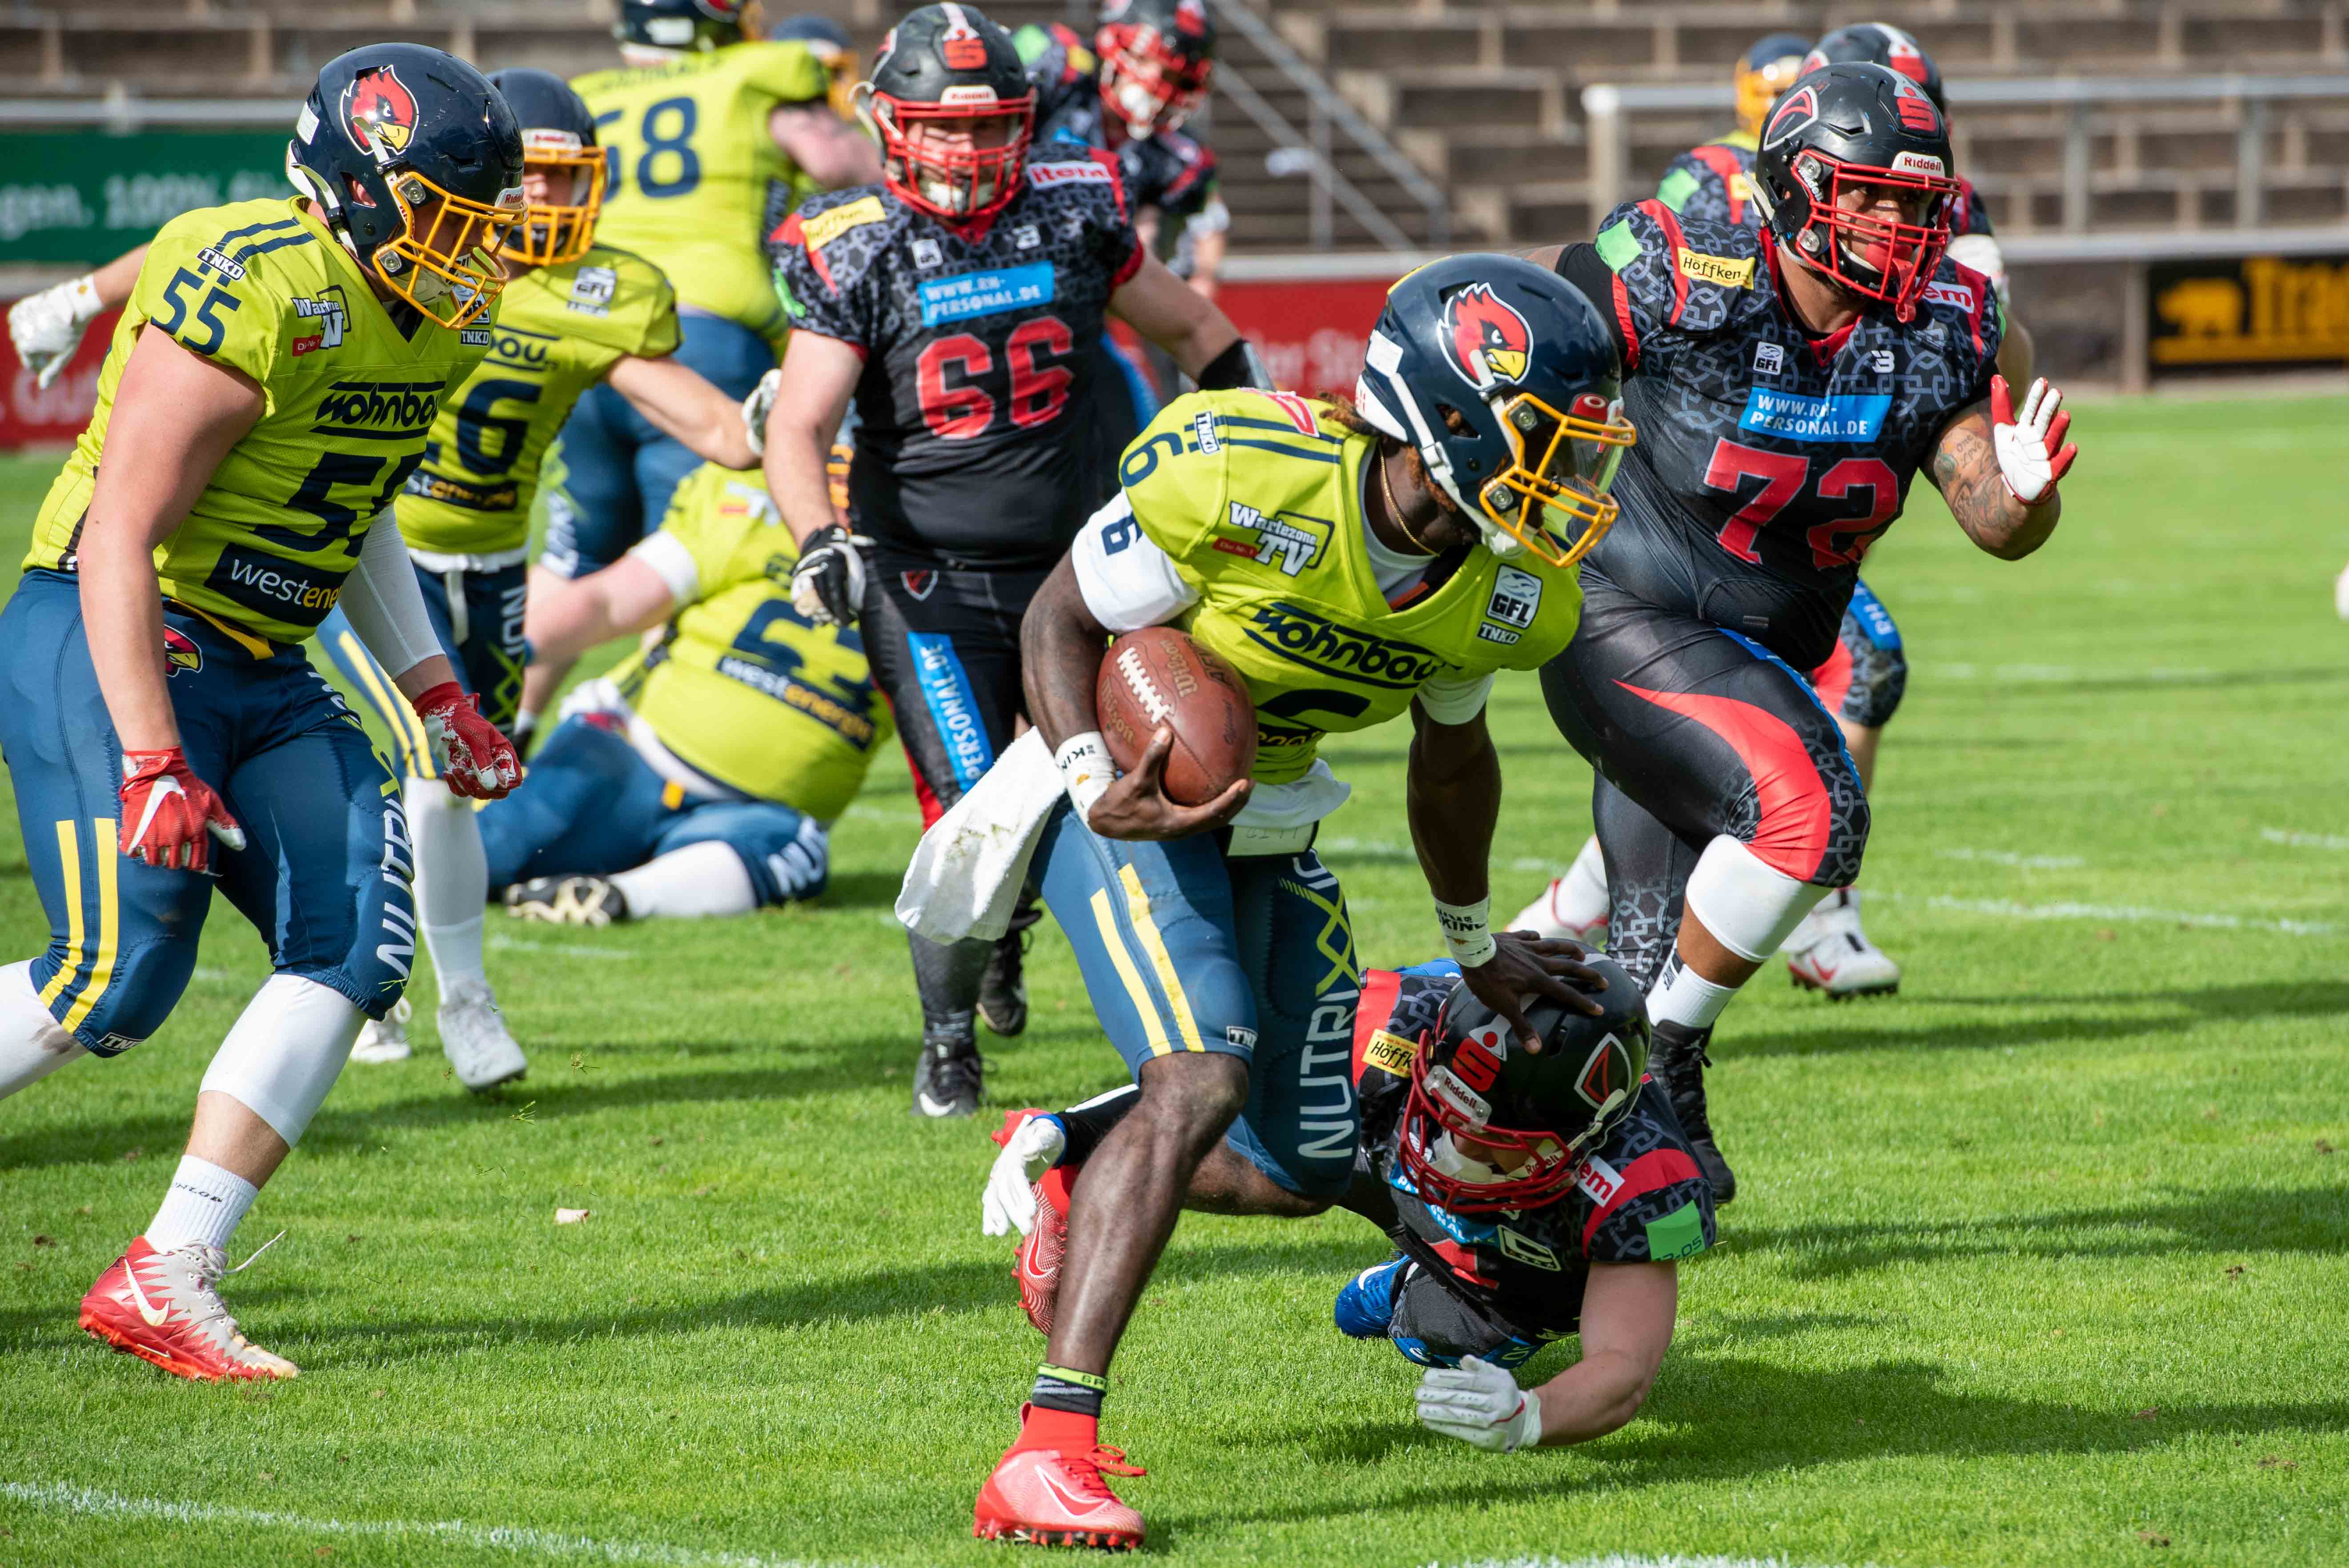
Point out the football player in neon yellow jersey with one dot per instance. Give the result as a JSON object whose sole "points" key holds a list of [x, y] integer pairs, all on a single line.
{"points": [[575, 313], [1351, 567], [701, 775], [271, 384], [712, 134]]}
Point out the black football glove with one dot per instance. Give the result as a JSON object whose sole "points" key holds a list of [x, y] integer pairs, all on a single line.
{"points": [[828, 584]]}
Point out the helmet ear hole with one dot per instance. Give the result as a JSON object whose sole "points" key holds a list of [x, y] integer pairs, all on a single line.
{"points": [[1454, 421]]}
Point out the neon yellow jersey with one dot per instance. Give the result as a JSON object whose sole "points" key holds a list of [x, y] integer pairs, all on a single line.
{"points": [[694, 168], [264, 287], [560, 330], [743, 687], [1258, 500]]}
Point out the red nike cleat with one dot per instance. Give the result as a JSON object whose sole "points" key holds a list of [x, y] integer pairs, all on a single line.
{"points": [[165, 1307], [1054, 1499], [1036, 1265]]}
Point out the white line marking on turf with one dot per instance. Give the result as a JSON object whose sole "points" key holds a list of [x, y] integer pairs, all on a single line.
{"points": [[90, 1503], [1618, 1559], [2029, 862], [2276, 836], [505, 944], [2010, 910]]}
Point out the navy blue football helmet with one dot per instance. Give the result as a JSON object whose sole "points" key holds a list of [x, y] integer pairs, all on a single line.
{"points": [[558, 144], [686, 25], [829, 42], [1506, 379], [415, 161]]}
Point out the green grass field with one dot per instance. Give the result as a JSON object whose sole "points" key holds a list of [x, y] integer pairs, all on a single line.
{"points": [[2040, 1263]]}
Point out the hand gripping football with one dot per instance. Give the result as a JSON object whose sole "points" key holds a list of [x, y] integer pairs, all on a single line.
{"points": [[1160, 676]]}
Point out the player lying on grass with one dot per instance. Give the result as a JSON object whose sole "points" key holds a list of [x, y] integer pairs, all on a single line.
{"points": [[1529, 1196], [164, 733], [700, 776], [1350, 566]]}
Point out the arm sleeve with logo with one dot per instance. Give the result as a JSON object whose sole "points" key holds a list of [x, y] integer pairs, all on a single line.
{"points": [[219, 308]]}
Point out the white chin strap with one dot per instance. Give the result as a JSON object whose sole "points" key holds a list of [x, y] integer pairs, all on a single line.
{"points": [[1445, 1156]]}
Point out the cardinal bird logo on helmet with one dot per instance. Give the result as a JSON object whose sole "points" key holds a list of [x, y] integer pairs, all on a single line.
{"points": [[380, 112], [1489, 339]]}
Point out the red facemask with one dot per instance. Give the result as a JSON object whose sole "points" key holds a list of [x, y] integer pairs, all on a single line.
{"points": [[1872, 257], [956, 184]]}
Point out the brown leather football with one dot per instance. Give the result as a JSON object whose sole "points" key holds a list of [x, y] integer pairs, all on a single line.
{"points": [[1160, 676]]}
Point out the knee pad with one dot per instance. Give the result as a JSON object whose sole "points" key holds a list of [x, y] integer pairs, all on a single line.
{"points": [[1367, 1303], [1750, 907], [119, 1010], [285, 1051]]}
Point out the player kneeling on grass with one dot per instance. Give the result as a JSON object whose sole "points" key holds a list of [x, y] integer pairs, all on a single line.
{"points": [[272, 381], [700, 775], [1529, 1195], [1349, 567]]}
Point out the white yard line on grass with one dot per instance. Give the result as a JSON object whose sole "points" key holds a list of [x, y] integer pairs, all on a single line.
{"points": [[505, 944], [2010, 910], [2009, 857], [1619, 1560], [2303, 841], [89, 1504]]}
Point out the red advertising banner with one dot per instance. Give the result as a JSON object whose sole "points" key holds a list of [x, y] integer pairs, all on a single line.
{"points": [[30, 417], [1310, 333]]}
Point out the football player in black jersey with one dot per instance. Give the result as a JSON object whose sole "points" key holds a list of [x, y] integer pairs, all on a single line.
{"points": [[960, 302], [1868, 671], [1788, 383]]}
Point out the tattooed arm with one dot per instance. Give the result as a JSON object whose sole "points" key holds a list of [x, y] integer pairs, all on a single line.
{"points": [[1965, 469]]}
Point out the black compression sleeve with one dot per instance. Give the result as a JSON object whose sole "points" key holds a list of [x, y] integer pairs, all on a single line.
{"points": [[1581, 266], [1090, 1123], [1235, 367]]}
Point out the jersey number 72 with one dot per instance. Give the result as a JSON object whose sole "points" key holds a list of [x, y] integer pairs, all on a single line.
{"points": [[1784, 475]]}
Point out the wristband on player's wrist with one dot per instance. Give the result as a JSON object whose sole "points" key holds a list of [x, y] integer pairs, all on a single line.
{"points": [[1086, 771], [1237, 365], [1467, 931]]}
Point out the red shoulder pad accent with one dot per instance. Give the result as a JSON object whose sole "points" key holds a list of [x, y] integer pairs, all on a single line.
{"points": [[1116, 180], [1725, 162], [1379, 988], [1657, 1168], [1623, 320], [1669, 223], [788, 231]]}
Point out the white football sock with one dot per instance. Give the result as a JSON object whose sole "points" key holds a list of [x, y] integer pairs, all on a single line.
{"points": [[702, 879], [1581, 896], [32, 1044], [453, 881], [1685, 997], [285, 1051], [204, 1204]]}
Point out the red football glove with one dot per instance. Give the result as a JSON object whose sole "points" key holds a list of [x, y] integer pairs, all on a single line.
{"points": [[475, 761], [2032, 452], [170, 817]]}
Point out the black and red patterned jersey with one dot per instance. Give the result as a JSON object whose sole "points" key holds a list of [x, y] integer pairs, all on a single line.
{"points": [[1715, 184], [1769, 457], [977, 404], [1639, 1199], [1172, 172]]}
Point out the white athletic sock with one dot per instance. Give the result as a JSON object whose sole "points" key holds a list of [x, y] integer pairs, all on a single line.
{"points": [[1685, 997], [1581, 896], [31, 1045], [285, 1051], [702, 879], [204, 1204], [453, 881]]}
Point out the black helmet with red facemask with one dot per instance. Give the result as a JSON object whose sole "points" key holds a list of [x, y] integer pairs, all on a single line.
{"points": [[1488, 1126], [1881, 44], [948, 63], [1837, 130], [1156, 57]]}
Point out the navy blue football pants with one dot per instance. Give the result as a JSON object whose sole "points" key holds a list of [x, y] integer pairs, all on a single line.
{"points": [[325, 871]]}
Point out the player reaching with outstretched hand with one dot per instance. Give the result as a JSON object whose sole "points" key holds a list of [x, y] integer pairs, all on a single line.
{"points": [[1350, 566], [961, 303], [271, 382], [1788, 384]]}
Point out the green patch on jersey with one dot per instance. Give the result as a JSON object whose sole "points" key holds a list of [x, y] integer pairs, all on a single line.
{"points": [[1677, 187], [1618, 246], [1678, 1235]]}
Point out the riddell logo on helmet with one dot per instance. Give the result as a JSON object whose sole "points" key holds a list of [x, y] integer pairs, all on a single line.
{"points": [[1489, 339], [1919, 163], [379, 113], [1798, 110]]}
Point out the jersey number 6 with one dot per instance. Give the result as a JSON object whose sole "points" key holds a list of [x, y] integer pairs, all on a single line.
{"points": [[963, 409], [1841, 543]]}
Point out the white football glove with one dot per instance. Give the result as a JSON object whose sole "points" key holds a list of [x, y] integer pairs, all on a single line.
{"points": [[1010, 1202], [1479, 1403], [2031, 451], [46, 328], [755, 408]]}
